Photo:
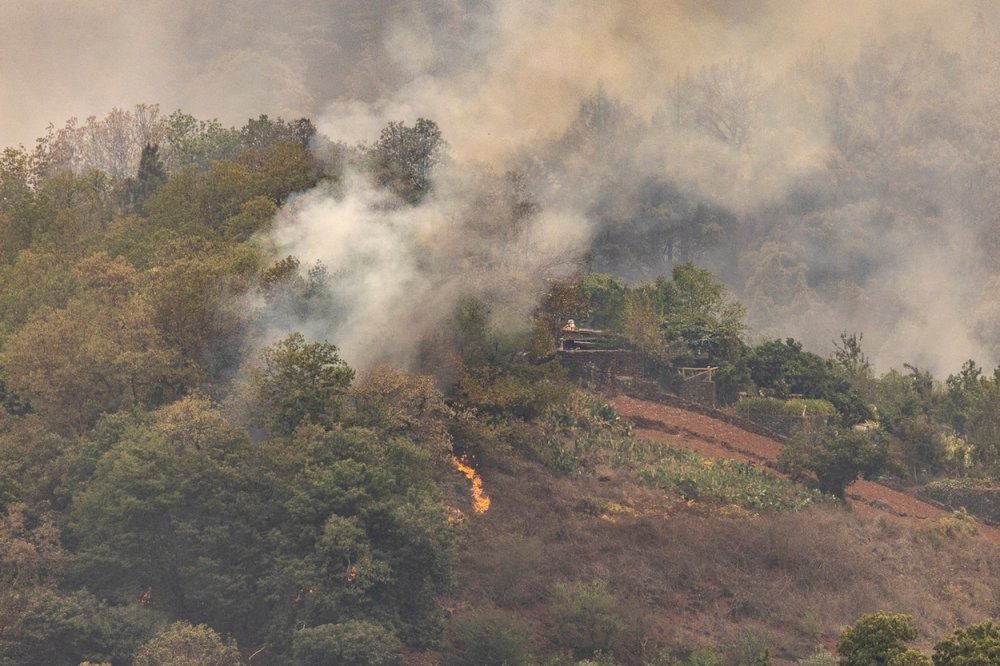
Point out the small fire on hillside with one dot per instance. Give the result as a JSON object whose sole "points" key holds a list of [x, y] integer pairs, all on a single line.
{"points": [[480, 502]]}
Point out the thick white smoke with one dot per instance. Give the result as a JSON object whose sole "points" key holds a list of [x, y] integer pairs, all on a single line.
{"points": [[855, 201], [398, 272]]}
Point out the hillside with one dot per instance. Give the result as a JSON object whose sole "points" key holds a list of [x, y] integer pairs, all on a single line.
{"points": [[717, 439], [689, 575]]}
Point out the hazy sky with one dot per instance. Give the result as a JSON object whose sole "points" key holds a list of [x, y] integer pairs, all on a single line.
{"points": [[498, 75], [493, 73]]}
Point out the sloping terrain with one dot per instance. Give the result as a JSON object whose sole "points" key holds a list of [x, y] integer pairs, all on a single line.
{"points": [[691, 574], [718, 439]]}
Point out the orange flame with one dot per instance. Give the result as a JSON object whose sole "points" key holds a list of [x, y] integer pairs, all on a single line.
{"points": [[480, 502]]}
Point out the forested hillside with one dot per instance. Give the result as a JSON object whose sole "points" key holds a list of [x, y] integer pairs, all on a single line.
{"points": [[190, 465], [337, 384]]}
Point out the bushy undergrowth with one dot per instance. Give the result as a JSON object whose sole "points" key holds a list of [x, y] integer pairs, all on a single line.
{"points": [[587, 432], [727, 481]]}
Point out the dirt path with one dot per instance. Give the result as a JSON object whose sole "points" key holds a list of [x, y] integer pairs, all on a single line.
{"points": [[718, 439]]}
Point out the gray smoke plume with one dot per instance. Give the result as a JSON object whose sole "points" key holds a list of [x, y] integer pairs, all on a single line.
{"points": [[834, 163]]}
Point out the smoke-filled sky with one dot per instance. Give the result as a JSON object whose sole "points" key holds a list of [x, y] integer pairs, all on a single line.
{"points": [[850, 203], [493, 74]]}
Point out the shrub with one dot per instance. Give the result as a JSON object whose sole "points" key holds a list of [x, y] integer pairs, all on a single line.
{"points": [[352, 643], [820, 658], [512, 571], [705, 657], [721, 480], [487, 637], [587, 616]]}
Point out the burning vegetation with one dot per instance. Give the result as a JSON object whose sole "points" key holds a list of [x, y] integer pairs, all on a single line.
{"points": [[480, 501]]}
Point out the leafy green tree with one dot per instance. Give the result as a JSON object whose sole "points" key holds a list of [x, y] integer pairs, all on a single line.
{"points": [[703, 320], [365, 535], [963, 393], [984, 423], [151, 175], [195, 202], [923, 445], [254, 215], [702, 313], [195, 143], [910, 657], [642, 324], [34, 280], [603, 298], [182, 644], [402, 158], [389, 400], [68, 628], [848, 355], [279, 170], [196, 302], [903, 397], [876, 638], [299, 382], [79, 207], [970, 646], [89, 358], [350, 643], [166, 509], [837, 457], [264, 132], [786, 368]]}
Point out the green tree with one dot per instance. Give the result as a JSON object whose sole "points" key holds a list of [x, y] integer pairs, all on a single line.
{"points": [[909, 657], [151, 175], [182, 644], [299, 382], [970, 646], [964, 391], [875, 639], [923, 445], [403, 158], [195, 143], [365, 534], [177, 507], [67, 628], [196, 302], [265, 132], [89, 358], [351, 643], [837, 457], [903, 397], [279, 170], [786, 368], [983, 424], [389, 400], [702, 313], [34, 280]]}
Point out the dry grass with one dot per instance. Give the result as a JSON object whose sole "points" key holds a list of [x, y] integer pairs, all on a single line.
{"points": [[696, 575]]}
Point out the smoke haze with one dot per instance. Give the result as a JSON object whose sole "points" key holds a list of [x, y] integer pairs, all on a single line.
{"points": [[835, 163]]}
